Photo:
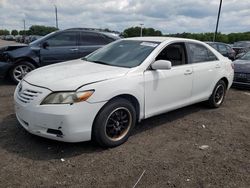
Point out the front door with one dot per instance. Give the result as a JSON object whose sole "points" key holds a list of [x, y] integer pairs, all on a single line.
{"points": [[169, 89], [60, 47]]}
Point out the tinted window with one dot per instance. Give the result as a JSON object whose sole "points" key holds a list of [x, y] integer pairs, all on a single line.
{"points": [[124, 53], [88, 38], [222, 48], [214, 46], [246, 56], [63, 39], [199, 53]]}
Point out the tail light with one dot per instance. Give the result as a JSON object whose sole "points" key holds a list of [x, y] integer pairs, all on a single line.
{"points": [[232, 51]]}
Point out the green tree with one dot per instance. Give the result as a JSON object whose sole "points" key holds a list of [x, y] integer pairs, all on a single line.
{"points": [[22, 32], [40, 30], [4, 32], [14, 32], [136, 31]]}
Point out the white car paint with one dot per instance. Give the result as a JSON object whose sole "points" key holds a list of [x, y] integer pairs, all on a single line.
{"points": [[157, 91]]}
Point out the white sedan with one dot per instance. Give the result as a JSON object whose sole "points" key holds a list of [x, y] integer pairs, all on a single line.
{"points": [[102, 96]]}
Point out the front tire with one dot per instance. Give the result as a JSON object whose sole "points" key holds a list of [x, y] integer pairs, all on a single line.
{"points": [[19, 70], [114, 123], [218, 95]]}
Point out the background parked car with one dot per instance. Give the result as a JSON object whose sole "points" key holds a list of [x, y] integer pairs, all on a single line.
{"points": [[18, 38], [241, 46], [242, 71], [9, 37], [225, 49], [64, 45], [240, 55], [34, 37]]}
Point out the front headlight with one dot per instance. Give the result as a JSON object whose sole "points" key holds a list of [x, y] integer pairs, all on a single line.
{"points": [[67, 97]]}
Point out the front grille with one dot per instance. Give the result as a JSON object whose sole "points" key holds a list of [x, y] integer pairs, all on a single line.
{"points": [[27, 95], [242, 77]]}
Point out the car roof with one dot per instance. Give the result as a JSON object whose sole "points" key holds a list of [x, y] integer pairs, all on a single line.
{"points": [[93, 30], [160, 39]]}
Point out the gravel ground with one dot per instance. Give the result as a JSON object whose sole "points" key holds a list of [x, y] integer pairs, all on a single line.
{"points": [[164, 150]]}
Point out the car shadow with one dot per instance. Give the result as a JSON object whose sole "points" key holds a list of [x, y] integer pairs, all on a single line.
{"points": [[15, 139], [168, 117], [241, 88], [6, 82]]}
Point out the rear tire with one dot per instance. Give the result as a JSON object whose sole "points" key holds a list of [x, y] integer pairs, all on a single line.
{"points": [[114, 123], [218, 95], [19, 70]]}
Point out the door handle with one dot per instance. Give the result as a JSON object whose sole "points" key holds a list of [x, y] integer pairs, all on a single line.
{"points": [[217, 66], [74, 49], [188, 72]]}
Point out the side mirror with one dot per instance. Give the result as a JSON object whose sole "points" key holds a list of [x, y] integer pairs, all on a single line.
{"points": [[161, 65], [45, 45]]}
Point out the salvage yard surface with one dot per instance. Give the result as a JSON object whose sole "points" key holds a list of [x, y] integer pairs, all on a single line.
{"points": [[190, 147]]}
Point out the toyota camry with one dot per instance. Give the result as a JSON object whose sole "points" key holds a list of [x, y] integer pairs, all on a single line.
{"points": [[102, 96]]}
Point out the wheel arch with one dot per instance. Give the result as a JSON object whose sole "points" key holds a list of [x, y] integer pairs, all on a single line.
{"points": [[30, 60], [134, 101], [225, 80]]}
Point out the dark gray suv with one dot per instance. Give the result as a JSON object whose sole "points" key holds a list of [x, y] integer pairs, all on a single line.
{"points": [[17, 60]]}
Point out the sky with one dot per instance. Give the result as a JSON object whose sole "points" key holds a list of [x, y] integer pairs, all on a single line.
{"points": [[168, 16]]}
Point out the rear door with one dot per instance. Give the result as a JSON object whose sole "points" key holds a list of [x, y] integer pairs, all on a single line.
{"points": [[61, 47], [206, 70], [89, 42]]}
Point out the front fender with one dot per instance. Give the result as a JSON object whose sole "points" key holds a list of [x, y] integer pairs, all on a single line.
{"points": [[25, 53], [108, 89]]}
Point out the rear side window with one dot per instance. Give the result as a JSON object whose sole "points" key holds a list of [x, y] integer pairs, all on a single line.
{"points": [[214, 46], [199, 53], [63, 39], [88, 38], [222, 48]]}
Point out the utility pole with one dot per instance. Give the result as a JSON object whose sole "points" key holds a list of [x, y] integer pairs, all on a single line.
{"points": [[56, 16], [24, 27], [141, 29], [217, 24]]}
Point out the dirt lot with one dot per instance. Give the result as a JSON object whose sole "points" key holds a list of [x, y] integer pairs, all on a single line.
{"points": [[165, 147]]}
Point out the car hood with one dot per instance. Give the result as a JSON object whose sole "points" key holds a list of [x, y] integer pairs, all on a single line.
{"points": [[242, 66], [72, 75], [12, 47]]}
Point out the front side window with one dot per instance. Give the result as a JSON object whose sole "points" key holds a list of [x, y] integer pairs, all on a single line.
{"points": [[175, 53], [123, 53], [199, 53], [63, 39]]}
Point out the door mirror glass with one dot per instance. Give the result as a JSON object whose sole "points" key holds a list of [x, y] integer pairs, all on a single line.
{"points": [[161, 65], [45, 45]]}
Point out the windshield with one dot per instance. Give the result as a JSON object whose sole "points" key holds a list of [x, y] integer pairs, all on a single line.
{"points": [[123, 53], [41, 39], [246, 56]]}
